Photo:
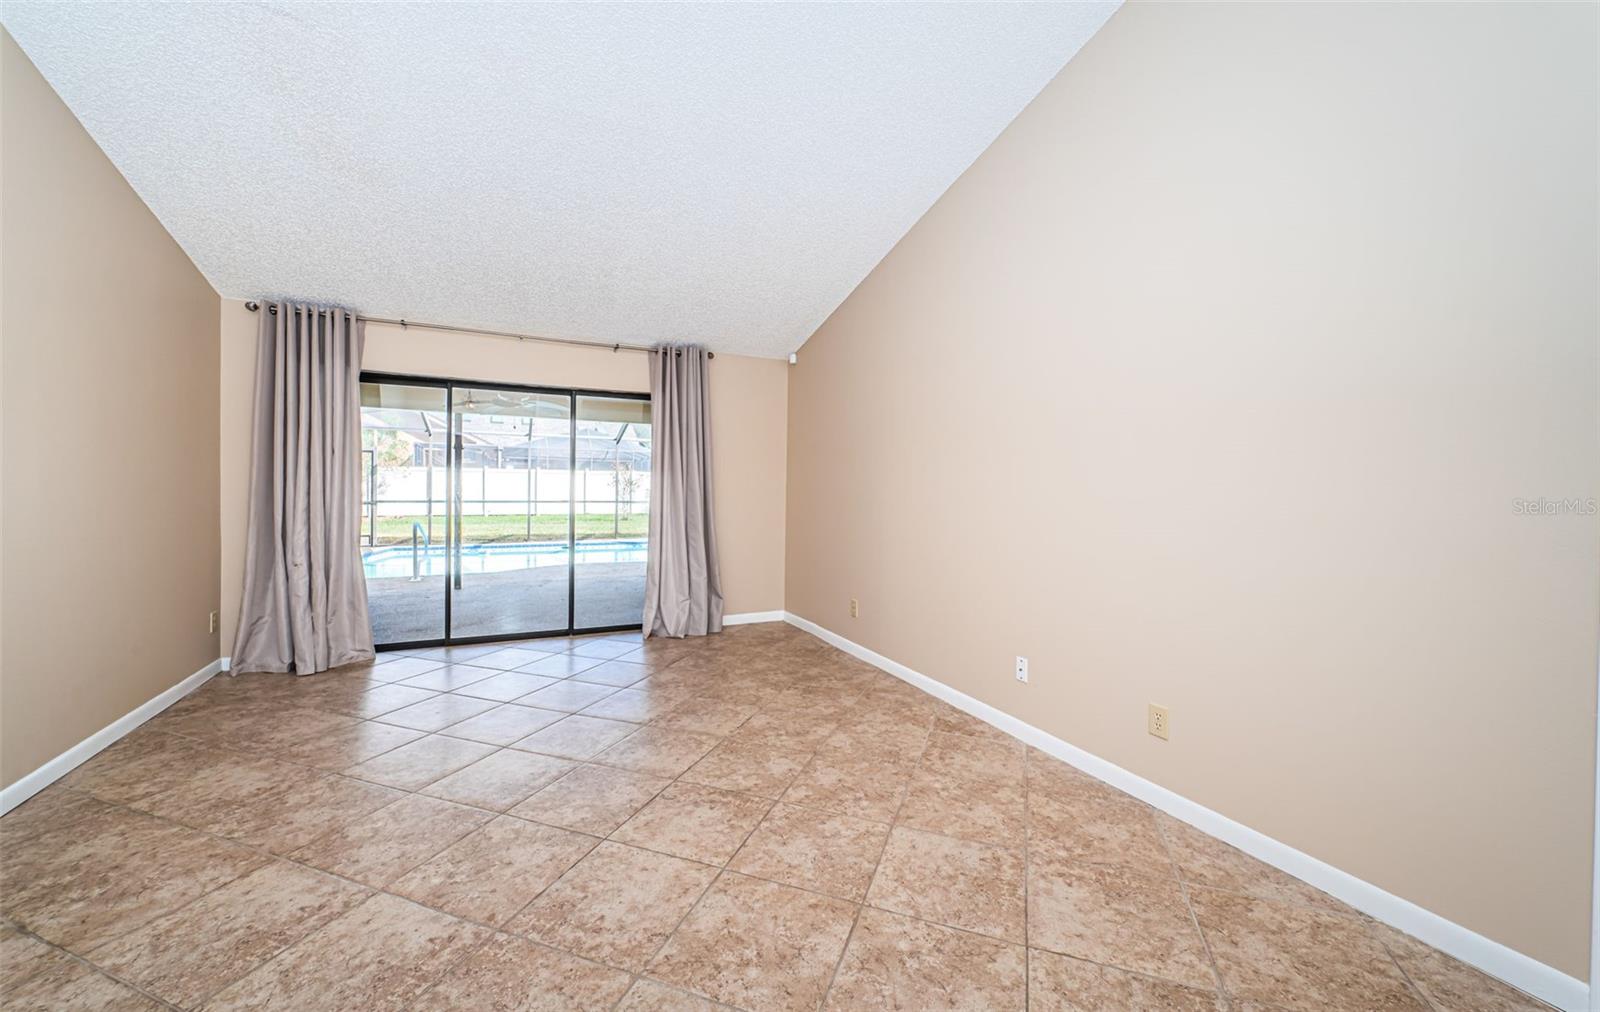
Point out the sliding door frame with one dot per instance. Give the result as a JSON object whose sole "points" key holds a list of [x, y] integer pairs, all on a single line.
{"points": [[572, 394]]}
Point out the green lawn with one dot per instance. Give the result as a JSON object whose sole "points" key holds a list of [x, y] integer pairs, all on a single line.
{"points": [[514, 527]]}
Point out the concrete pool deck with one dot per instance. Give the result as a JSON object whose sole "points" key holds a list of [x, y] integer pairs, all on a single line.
{"points": [[520, 602]]}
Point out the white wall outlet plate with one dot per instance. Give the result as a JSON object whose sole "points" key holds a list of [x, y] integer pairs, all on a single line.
{"points": [[1022, 669]]}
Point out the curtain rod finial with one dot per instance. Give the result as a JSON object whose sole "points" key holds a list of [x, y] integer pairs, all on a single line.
{"points": [[252, 305]]}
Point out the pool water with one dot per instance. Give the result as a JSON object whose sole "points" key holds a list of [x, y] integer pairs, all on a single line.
{"points": [[395, 560]]}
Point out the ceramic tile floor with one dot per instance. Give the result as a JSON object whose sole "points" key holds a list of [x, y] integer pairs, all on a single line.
{"points": [[753, 820]]}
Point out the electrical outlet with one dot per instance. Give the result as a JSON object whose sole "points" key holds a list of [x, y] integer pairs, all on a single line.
{"points": [[855, 608], [1022, 669], [212, 627], [1160, 721]]}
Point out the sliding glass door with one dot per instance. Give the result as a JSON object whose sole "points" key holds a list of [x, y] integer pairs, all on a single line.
{"points": [[405, 436], [613, 509], [497, 512]]}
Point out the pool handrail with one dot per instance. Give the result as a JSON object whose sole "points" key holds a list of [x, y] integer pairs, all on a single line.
{"points": [[416, 556]]}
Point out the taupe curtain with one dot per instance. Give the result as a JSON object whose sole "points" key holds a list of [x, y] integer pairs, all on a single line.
{"points": [[682, 587], [305, 598]]}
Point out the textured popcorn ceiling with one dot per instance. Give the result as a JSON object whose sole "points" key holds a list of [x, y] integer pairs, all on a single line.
{"points": [[632, 173]]}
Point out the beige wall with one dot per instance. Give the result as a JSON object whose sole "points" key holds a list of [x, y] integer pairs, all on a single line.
{"points": [[748, 407], [1251, 329], [109, 404]]}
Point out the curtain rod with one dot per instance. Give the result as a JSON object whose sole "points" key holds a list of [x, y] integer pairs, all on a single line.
{"points": [[508, 335]]}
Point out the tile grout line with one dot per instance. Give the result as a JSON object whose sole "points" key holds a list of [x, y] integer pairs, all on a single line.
{"points": [[877, 866], [1188, 905], [667, 939], [82, 960], [1422, 996]]}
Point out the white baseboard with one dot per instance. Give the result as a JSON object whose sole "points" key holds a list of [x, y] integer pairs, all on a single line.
{"points": [[1497, 960], [102, 739], [749, 617]]}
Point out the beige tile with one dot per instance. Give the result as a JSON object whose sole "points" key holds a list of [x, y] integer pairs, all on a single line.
{"points": [[893, 742], [146, 762], [345, 696], [505, 686], [1050, 777], [558, 665], [577, 737], [419, 763], [437, 712], [285, 727], [103, 875], [1104, 829], [635, 704], [661, 651], [1297, 957], [1111, 916], [570, 696], [504, 724], [53, 808], [381, 847], [967, 808], [959, 883], [707, 716], [22, 956], [969, 758], [1204, 860], [657, 751], [379, 956], [757, 945], [1448, 984], [68, 984], [499, 781], [211, 718], [512, 657], [514, 973], [947, 719], [287, 819], [895, 962], [601, 648], [397, 668], [652, 996], [348, 746], [495, 871], [592, 799], [813, 849], [459, 654], [852, 785], [224, 791], [203, 947], [617, 905], [1059, 983], [699, 823], [785, 730], [451, 677], [614, 673], [752, 768]]}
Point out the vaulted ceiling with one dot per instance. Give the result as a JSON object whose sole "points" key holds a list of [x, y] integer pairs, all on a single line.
{"points": [[725, 173]]}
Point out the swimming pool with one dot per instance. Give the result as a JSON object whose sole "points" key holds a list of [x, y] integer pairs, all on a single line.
{"points": [[395, 560]]}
